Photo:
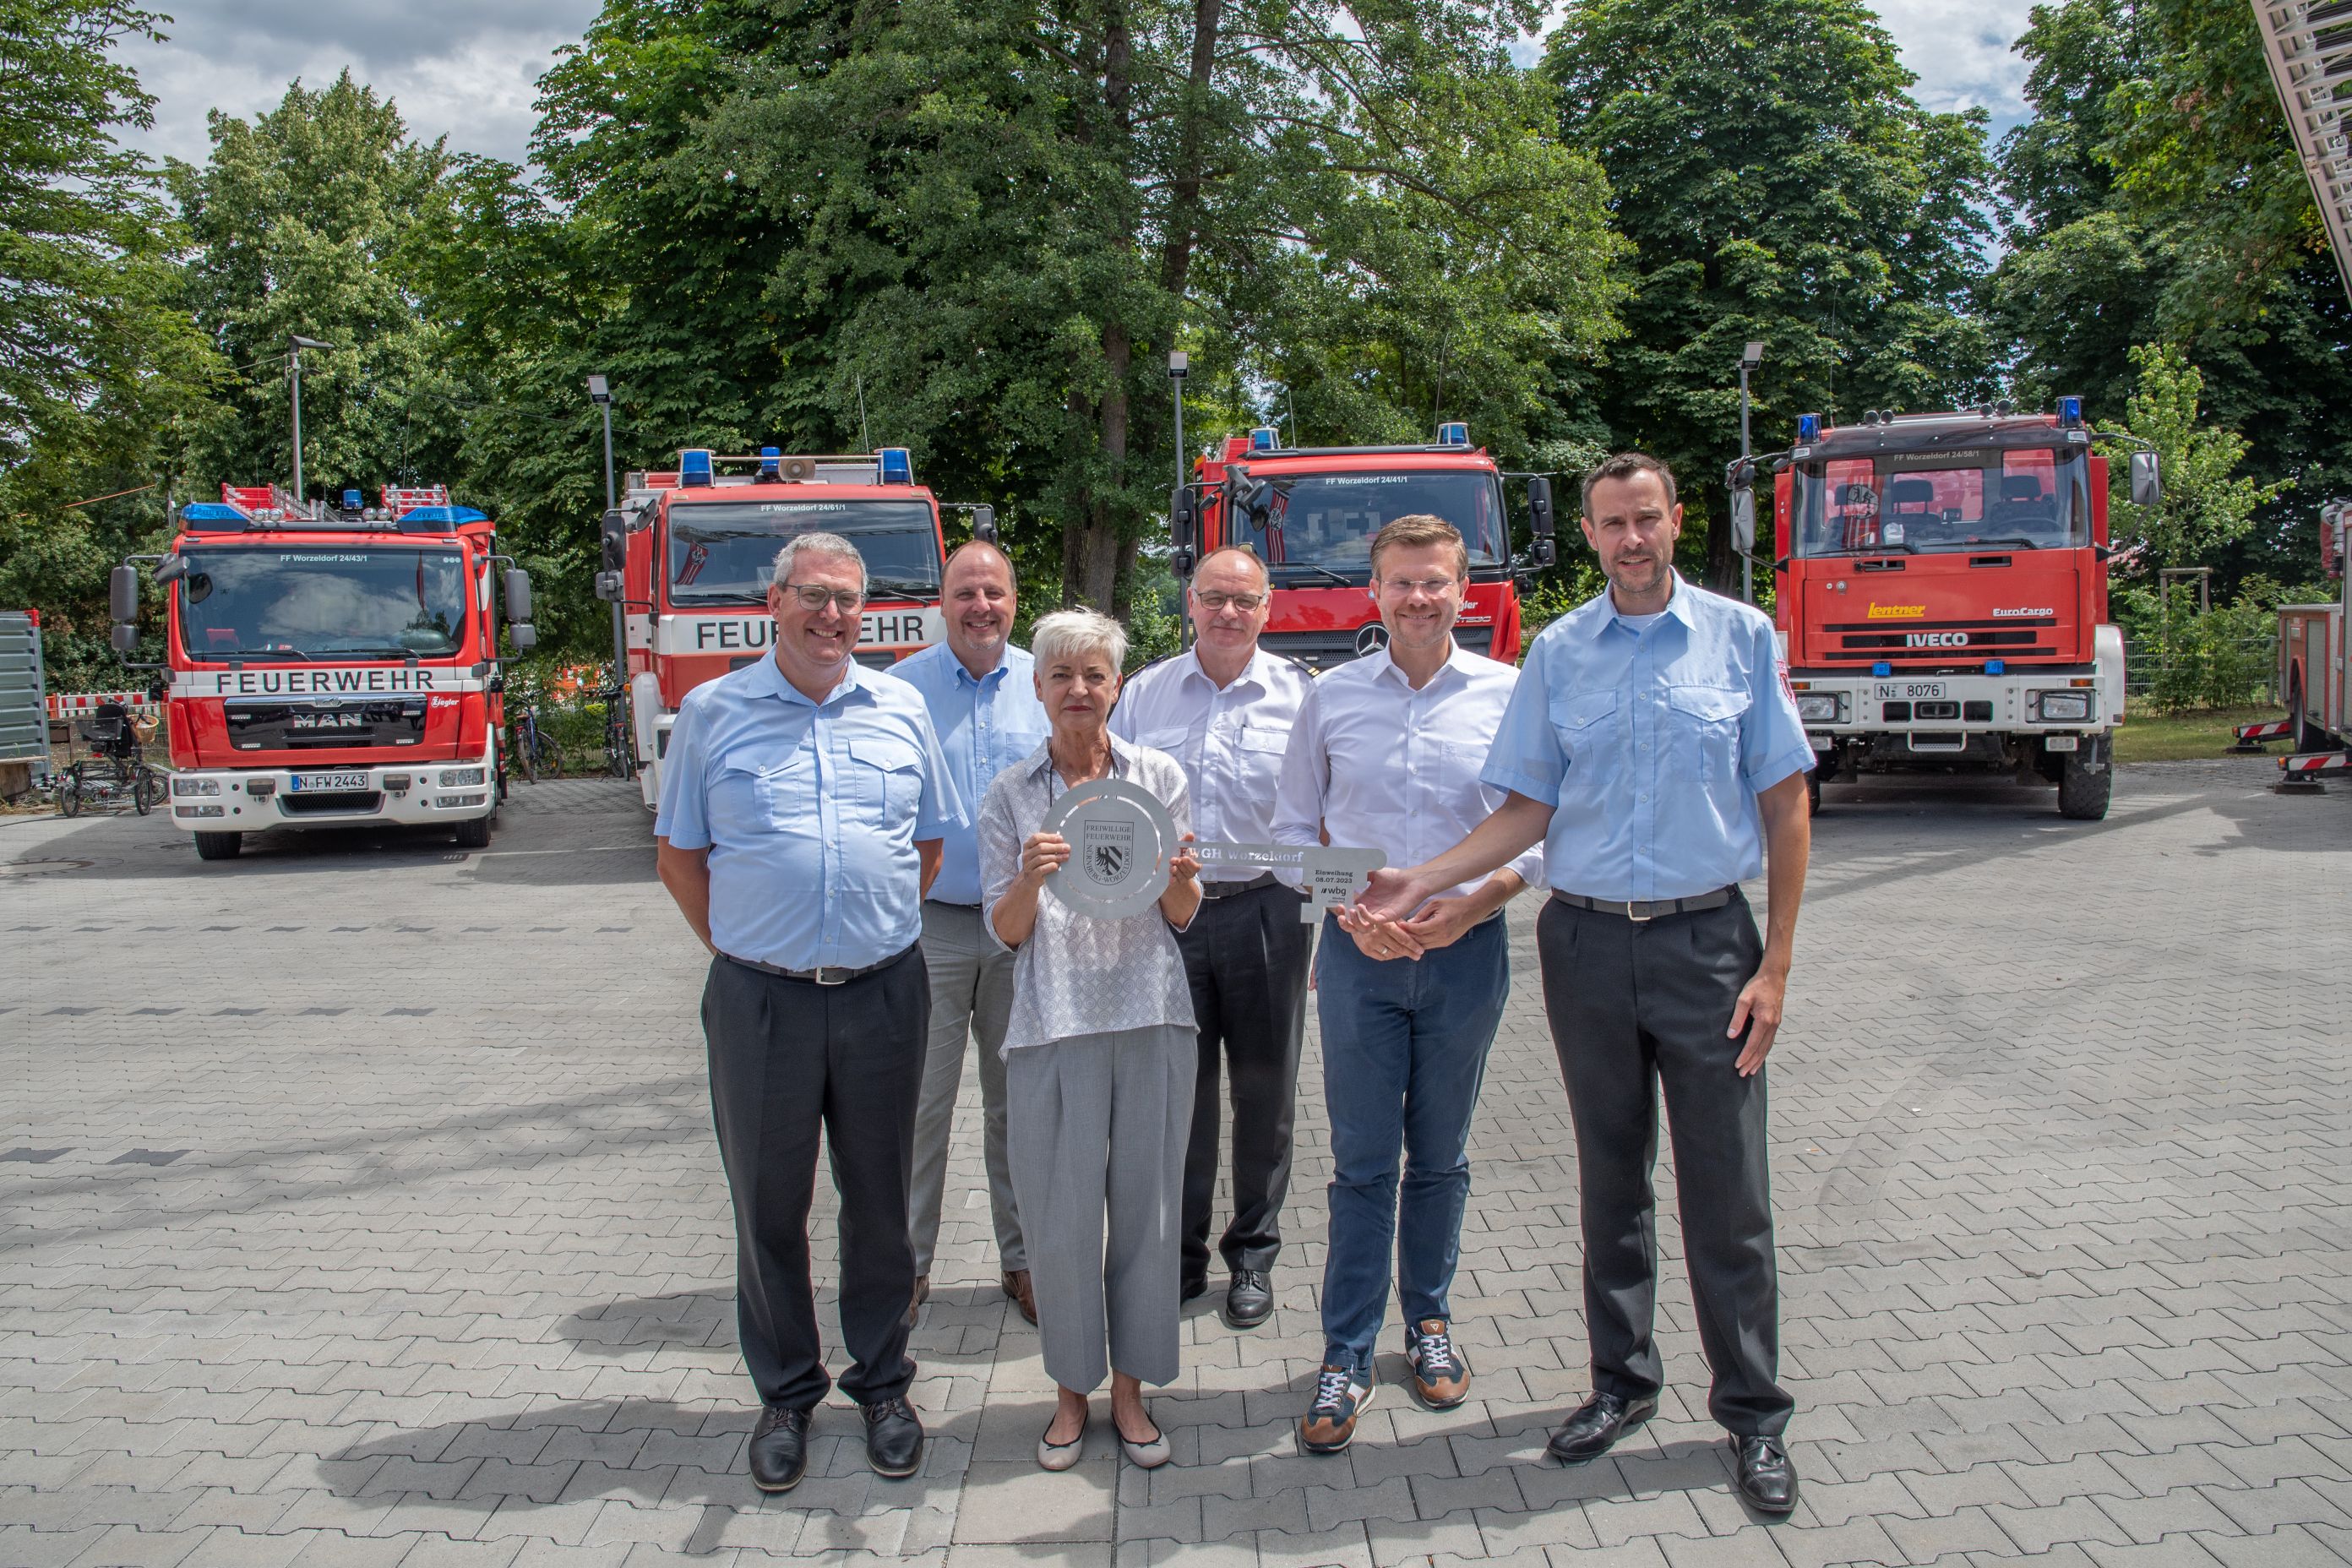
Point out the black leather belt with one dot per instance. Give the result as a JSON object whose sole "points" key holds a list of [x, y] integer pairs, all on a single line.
{"points": [[1227, 890], [952, 904], [1637, 911], [824, 975]]}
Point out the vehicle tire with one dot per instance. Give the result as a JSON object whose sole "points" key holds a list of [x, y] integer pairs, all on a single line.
{"points": [[69, 791], [2082, 794], [219, 846], [474, 832], [1813, 794], [2308, 736]]}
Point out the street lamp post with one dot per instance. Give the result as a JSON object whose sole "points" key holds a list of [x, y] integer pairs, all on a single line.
{"points": [[296, 343], [600, 393], [1179, 365], [1750, 357]]}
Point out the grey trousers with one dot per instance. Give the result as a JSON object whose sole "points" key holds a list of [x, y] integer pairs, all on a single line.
{"points": [[972, 997], [1098, 1126]]}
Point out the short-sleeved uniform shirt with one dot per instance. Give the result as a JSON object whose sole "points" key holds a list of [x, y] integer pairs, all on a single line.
{"points": [[1651, 744], [810, 812], [985, 725], [1230, 738]]}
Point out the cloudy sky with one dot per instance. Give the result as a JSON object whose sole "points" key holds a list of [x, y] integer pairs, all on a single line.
{"points": [[464, 68]]}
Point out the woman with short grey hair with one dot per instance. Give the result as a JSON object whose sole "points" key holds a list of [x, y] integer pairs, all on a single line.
{"points": [[1098, 1055]]}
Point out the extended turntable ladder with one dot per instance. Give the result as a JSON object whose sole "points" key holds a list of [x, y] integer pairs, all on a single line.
{"points": [[2309, 46]]}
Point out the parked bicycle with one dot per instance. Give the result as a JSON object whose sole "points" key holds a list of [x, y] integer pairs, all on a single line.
{"points": [[620, 755], [116, 770], [534, 752]]}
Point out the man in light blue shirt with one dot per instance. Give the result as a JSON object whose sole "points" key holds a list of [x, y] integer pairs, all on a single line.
{"points": [[982, 697], [1654, 747], [803, 803]]}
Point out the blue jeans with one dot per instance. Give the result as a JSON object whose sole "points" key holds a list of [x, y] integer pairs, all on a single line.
{"points": [[1404, 1050]]}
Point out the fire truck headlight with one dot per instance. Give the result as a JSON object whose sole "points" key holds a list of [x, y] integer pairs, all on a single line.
{"points": [[1821, 707], [195, 786], [2062, 707], [451, 776]]}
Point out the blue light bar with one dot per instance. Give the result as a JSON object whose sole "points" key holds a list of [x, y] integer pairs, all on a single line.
{"points": [[353, 500], [897, 464], [1454, 433], [444, 514], [1882, 668], [772, 462], [1996, 665], [1809, 426], [2070, 411], [212, 512], [694, 466], [1265, 438]]}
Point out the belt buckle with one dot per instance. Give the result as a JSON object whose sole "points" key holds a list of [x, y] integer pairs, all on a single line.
{"points": [[835, 975], [1637, 919]]}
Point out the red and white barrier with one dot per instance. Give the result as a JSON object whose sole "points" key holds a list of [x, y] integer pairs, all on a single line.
{"points": [[2268, 730], [2315, 763], [64, 705]]}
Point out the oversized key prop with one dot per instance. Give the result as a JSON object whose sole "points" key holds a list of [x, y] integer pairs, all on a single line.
{"points": [[1121, 839]]}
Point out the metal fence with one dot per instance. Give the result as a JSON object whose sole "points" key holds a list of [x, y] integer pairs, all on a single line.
{"points": [[24, 712], [2220, 672]]}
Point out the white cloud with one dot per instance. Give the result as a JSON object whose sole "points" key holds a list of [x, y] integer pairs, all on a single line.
{"points": [[1961, 52]]}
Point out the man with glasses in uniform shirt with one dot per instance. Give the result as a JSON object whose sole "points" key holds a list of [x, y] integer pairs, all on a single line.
{"points": [[983, 702], [803, 803], [1223, 709], [1654, 748]]}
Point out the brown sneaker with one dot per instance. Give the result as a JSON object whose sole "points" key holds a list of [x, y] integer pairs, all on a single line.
{"points": [[1441, 1373], [922, 1294], [1016, 1285], [1341, 1394]]}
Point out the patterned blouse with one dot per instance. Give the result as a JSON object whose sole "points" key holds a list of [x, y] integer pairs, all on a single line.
{"points": [[1076, 975]]}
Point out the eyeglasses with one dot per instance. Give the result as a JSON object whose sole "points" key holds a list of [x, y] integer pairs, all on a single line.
{"points": [[1400, 586], [1245, 603], [814, 596]]}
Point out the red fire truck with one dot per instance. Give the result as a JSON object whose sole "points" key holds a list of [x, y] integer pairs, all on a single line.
{"points": [[330, 665], [1309, 513], [1942, 596], [2314, 665], [686, 558]]}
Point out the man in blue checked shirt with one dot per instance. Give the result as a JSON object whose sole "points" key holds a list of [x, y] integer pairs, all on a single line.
{"points": [[804, 804], [1654, 748], [983, 703]]}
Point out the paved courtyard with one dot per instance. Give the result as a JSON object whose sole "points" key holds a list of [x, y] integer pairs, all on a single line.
{"points": [[358, 1204]]}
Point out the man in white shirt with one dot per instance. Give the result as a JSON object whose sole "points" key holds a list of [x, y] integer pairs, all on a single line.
{"points": [[1385, 754], [1223, 709]]}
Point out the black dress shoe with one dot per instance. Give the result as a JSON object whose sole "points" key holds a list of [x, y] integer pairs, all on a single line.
{"points": [[779, 1449], [1595, 1428], [1767, 1479], [894, 1438], [1249, 1300]]}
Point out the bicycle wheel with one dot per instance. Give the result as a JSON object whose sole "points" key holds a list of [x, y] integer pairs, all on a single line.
{"points": [[70, 791], [551, 756], [147, 793], [526, 744]]}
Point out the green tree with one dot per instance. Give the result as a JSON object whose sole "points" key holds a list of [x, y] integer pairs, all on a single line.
{"points": [[304, 222], [1011, 211], [2207, 503], [1779, 183]]}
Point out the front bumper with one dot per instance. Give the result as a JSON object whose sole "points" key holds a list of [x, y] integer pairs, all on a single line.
{"points": [[1932, 709], [253, 800]]}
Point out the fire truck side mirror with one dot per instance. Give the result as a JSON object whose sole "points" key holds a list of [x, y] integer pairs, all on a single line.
{"points": [[125, 638], [1543, 548], [614, 540], [610, 586], [1184, 522], [524, 636], [122, 592], [1743, 521], [518, 588], [983, 523], [2147, 483]]}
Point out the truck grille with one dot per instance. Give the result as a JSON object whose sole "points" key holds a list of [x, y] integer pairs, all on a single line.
{"points": [[305, 726], [1322, 649], [1915, 644]]}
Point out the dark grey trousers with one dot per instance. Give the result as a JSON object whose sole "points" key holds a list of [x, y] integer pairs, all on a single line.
{"points": [[1634, 1008], [790, 1060], [1245, 957]]}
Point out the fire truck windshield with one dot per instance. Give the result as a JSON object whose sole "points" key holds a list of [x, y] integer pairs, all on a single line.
{"points": [[259, 602], [720, 552], [1932, 502], [1325, 523]]}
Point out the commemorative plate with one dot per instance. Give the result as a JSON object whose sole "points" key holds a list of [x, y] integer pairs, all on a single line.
{"points": [[1121, 839]]}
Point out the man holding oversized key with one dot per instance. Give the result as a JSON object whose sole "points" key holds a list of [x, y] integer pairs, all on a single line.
{"points": [[1655, 751]]}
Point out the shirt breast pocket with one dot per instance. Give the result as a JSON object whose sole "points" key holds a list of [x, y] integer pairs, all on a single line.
{"points": [[889, 777], [1589, 725], [1706, 729], [1261, 747], [758, 792]]}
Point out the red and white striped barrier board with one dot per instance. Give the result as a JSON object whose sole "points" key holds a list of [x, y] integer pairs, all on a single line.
{"points": [[2315, 763], [64, 705], [2268, 730]]}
